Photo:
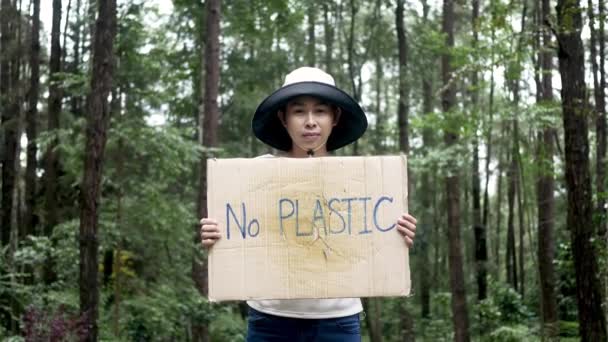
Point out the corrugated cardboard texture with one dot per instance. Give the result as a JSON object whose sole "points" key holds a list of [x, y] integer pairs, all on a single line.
{"points": [[308, 228]]}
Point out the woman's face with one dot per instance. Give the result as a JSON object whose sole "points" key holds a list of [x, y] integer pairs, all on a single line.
{"points": [[309, 122]]}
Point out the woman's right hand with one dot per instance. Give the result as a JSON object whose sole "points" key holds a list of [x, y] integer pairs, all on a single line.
{"points": [[210, 232]]}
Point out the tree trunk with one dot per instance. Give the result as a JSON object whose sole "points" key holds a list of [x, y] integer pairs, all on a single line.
{"points": [[600, 105], [511, 258], [372, 319], [354, 8], [427, 190], [52, 154], [499, 198], [545, 188], [76, 100], [329, 37], [448, 99], [210, 122], [311, 50], [379, 132], [9, 117], [578, 179], [30, 220], [603, 227], [10, 122], [479, 229], [96, 136], [403, 87], [522, 228]]}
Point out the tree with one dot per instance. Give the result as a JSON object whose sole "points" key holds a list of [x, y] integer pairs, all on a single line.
{"points": [[407, 325], [479, 229], [311, 44], [460, 317], [545, 185], [96, 136], [9, 120], [575, 111], [31, 122], [52, 154], [208, 121]]}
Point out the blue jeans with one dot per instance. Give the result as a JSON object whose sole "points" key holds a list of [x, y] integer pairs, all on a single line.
{"points": [[271, 328]]}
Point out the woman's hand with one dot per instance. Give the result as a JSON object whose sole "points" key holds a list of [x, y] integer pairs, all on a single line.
{"points": [[406, 225], [210, 232]]}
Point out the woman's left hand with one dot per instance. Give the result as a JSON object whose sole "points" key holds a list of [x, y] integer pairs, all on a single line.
{"points": [[406, 225]]}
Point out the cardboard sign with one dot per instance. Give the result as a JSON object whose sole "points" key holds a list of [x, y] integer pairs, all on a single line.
{"points": [[308, 228]]}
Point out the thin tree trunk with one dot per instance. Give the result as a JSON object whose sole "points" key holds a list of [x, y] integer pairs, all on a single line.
{"points": [[603, 228], [479, 229], [5, 116], [407, 322], [489, 142], [460, 315], [210, 122], [575, 112], [380, 116], [65, 33], [545, 188], [9, 118], [96, 136], [10, 101], [311, 50], [599, 86], [354, 8], [30, 220], [372, 319], [601, 105], [511, 258], [329, 36], [522, 229], [75, 100], [427, 189], [499, 198], [52, 154]]}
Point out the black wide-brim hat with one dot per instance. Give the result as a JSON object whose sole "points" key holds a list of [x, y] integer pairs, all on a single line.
{"points": [[268, 128]]}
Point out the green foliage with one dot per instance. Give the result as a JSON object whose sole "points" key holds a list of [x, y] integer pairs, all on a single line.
{"points": [[161, 311], [515, 333], [568, 329], [228, 326]]}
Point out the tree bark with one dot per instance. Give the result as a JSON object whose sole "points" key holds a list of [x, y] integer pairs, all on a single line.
{"points": [[210, 123], [511, 257], [10, 122], [30, 220], [96, 136], [9, 118], [479, 229], [498, 204], [545, 188], [448, 99], [403, 108], [575, 112], [596, 43], [329, 36], [75, 100], [311, 49], [427, 189], [52, 154], [372, 319]]}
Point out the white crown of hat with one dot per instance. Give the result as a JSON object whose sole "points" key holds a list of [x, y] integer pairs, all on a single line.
{"points": [[309, 74]]}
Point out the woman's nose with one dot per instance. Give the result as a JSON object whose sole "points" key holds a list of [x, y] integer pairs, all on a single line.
{"points": [[310, 120]]}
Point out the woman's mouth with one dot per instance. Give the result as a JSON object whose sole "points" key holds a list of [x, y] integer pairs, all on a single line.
{"points": [[311, 136]]}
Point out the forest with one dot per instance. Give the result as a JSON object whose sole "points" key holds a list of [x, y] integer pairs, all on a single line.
{"points": [[109, 110]]}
